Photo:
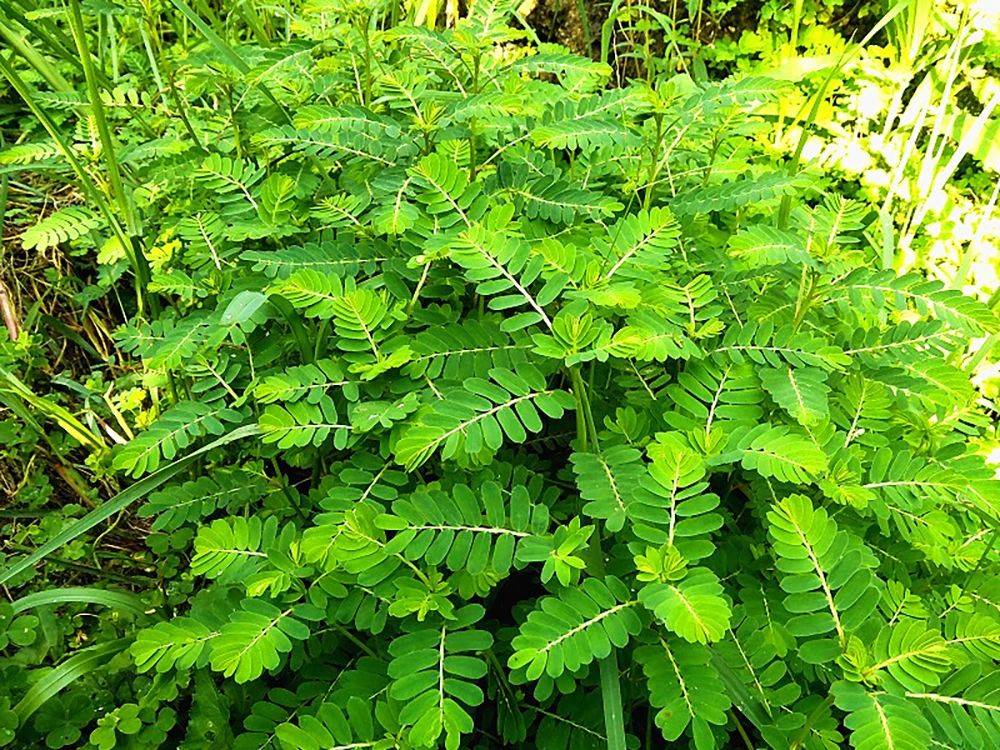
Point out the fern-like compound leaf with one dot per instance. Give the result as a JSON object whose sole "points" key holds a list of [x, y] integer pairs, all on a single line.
{"points": [[762, 245], [256, 637], [879, 720], [778, 452], [301, 424], [607, 482], [686, 690], [329, 257], [308, 383], [479, 416], [826, 575], [929, 297], [466, 530], [177, 505], [434, 673], [568, 631], [913, 655], [232, 547], [801, 391], [180, 643], [692, 607], [176, 429], [671, 505], [352, 726], [63, 225]]}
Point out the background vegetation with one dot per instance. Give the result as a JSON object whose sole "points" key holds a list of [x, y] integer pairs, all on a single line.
{"points": [[247, 309]]}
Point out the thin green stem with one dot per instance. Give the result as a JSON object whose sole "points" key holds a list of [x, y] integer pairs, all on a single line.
{"points": [[740, 730], [44, 68], [846, 56], [582, 398], [80, 567], [588, 37], [113, 48], [298, 330], [366, 94], [182, 108], [807, 285], [611, 697], [252, 18], [581, 417], [611, 691], [94, 194], [148, 47], [814, 715], [54, 39], [3, 201], [108, 152]]}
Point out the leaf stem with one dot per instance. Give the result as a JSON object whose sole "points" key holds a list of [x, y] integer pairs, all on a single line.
{"points": [[740, 730], [586, 427], [611, 697], [132, 246], [611, 691], [813, 716]]}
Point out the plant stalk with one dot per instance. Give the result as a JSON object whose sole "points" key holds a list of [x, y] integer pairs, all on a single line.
{"points": [[132, 247], [611, 690]]}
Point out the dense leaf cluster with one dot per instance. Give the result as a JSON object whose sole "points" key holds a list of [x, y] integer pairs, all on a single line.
{"points": [[551, 410]]}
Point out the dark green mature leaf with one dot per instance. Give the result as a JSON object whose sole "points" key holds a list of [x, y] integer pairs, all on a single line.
{"points": [[405, 252]]}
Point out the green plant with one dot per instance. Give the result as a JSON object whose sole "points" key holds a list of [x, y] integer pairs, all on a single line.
{"points": [[910, 126], [494, 406]]}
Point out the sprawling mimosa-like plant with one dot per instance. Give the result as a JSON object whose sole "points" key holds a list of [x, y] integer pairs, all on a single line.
{"points": [[564, 433]]}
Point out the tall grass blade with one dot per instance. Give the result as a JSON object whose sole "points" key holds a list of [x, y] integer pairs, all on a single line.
{"points": [[109, 153], [611, 699], [846, 56], [77, 665], [120, 600], [224, 49], [121, 501], [87, 185], [11, 385]]}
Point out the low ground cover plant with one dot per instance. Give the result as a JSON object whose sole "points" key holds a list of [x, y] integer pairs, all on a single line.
{"points": [[490, 405]]}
